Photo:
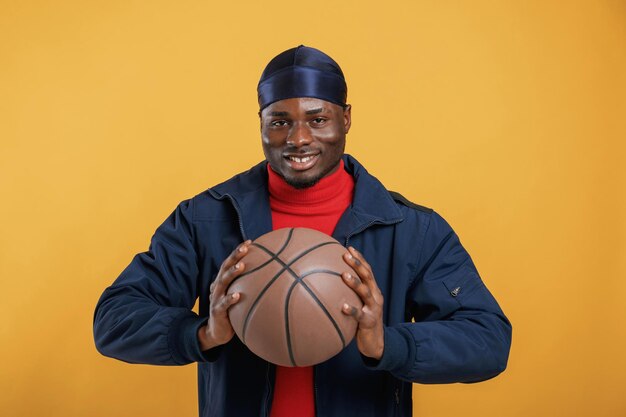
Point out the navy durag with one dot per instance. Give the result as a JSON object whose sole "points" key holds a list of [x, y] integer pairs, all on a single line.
{"points": [[302, 72]]}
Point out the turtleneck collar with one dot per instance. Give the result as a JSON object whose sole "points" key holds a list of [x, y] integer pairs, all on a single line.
{"points": [[339, 183]]}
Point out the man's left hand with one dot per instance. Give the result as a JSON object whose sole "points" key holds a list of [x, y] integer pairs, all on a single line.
{"points": [[370, 333]]}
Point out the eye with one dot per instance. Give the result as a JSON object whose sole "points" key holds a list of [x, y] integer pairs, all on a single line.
{"points": [[319, 120], [278, 123]]}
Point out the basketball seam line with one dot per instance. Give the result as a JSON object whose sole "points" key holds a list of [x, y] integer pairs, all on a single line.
{"points": [[274, 256], [269, 284], [286, 267], [264, 264], [300, 280]]}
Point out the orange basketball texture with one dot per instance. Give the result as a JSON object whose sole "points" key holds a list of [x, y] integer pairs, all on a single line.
{"points": [[292, 293]]}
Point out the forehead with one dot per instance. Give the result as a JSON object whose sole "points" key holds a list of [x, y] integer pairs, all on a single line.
{"points": [[300, 105]]}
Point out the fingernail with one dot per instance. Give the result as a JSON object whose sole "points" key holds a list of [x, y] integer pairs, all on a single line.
{"points": [[237, 265], [349, 276], [346, 306]]}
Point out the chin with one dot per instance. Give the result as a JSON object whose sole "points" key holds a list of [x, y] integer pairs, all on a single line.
{"points": [[301, 183]]}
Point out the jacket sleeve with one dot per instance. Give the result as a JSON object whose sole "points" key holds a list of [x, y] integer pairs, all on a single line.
{"points": [[145, 315], [458, 332]]}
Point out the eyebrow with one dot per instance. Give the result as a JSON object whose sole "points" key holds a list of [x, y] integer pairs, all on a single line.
{"points": [[285, 114]]}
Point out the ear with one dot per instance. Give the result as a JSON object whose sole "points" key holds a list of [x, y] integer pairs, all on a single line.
{"points": [[347, 118]]}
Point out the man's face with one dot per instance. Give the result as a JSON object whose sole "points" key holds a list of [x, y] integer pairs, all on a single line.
{"points": [[304, 138]]}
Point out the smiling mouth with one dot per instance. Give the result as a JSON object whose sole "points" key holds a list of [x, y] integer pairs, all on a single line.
{"points": [[302, 162], [302, 159]]}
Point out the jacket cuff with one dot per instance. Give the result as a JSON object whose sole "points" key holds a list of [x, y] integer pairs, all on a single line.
{"points": [[395, 353], [184, 344]]}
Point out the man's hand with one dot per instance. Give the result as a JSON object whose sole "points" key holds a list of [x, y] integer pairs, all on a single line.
{"points": [[370, 333], [218, 329]]}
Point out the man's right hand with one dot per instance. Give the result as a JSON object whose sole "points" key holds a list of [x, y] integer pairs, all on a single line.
{"points": [[218, 329]]}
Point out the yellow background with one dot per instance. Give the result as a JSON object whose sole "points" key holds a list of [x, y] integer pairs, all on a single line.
{"points": [[507, 117]]}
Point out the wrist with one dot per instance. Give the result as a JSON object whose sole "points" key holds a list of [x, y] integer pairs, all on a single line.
{"points": [[377, 353], [204, 339]]}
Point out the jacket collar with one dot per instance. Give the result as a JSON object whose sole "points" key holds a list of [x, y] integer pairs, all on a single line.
{"points": [[248, 193], [371, 204]]}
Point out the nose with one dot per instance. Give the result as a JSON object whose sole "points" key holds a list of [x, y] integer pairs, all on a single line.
{"points": [[299, 135]]}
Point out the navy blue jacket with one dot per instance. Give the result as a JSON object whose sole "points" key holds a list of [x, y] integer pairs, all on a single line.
{"points": [[442, 324]]}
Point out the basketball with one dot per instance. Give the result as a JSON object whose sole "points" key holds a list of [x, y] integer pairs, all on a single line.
{"points": [[291, 295]]}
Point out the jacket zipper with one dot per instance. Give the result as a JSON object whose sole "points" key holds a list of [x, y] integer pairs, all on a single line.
{"points": [[236, 207], [396, 399], [268, 390], [396, 402], [315, 390]]}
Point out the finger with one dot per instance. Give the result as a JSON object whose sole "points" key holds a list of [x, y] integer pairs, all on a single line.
{"points": [[221, 305], [219, 310], [362, 290], [352, 311], [360, 259], [239, 252], [235, 256], [359, 265], [225, 278], [228, 300], [229, 266], [365, 272], [362, 269], [365, 319]]}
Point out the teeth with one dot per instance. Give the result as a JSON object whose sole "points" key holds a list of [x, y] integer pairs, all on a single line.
{"points": [[301, 160]]}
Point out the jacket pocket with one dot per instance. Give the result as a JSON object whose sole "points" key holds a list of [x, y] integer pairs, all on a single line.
{"points": [[462, 285]]}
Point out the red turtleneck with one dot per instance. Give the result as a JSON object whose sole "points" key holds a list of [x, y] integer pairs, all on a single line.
{"points": [[318, 207]]}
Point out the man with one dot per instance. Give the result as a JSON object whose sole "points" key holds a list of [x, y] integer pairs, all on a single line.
{"points": [[426, 317]]}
